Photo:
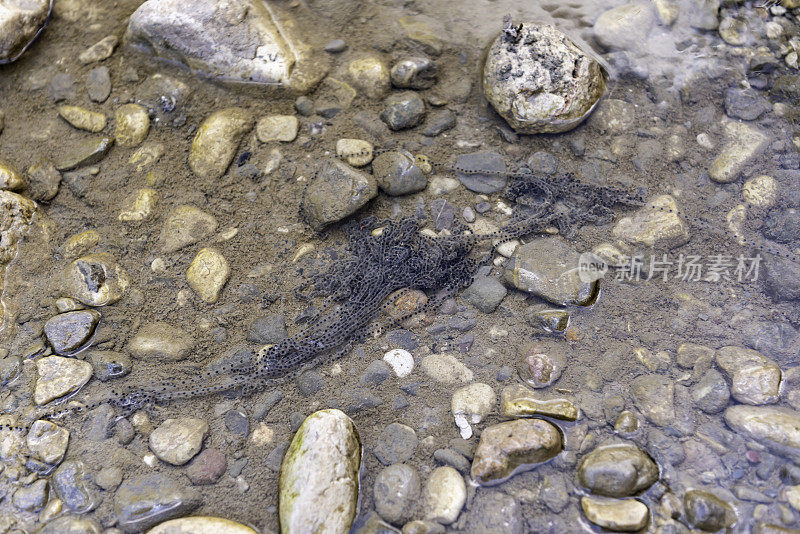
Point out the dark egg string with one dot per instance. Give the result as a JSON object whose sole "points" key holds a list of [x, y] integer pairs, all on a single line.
{"points": [[399, 258]]}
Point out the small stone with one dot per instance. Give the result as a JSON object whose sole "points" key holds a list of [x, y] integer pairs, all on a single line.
{"points": [[10, 178], [613, 117], [208, 273], [355, 151], [396, 490], [133, 123], [43, 181], [304, 106], [144, 501], [623, 515], [162, 94], [108, 478], [745, 104], [336, 46], [277, 128], [403, 110], [309, 382], [33, 497], [397, 174], [707, 512], [396, 443], [186, 225], [370, 76], [619, 470], [471, 404], [68, 332], [659, 224], [267, 329], [85, 152], [100, 50], [73, 484], [413, 73], [207, 467], [98, 84], [72, 525], [540, 369], [375, 373], [754, 379], [48, 441], [438, 122], [654, 396], [401, 361], [20, 23], [161, 342], [62, 87], [445, 495], [625, 27], [776, 428], [236, 422], [139, 205], [442, 185], [83, 119], [216, 142], [318, 483], [201, 525], [743, 143], [760, 192], [452, 458], [337, 192], [445, 368], [512, 447], [78, 244], [176, 441], [58, 377], [519, 401], [333, 96], [711, 393], [96, 280], [485, 293], [626, 423], [482, 172]]}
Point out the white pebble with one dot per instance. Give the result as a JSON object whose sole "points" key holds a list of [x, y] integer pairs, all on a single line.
{"points": [[401, 361], [150, 460], [507, 248], [705, 141]]}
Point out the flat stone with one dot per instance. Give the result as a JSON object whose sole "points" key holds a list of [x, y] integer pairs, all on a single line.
{"points": [[144, 501], [96, 280], [99, 51], [519, 401], [445, 495], [217, 139], [33, 497], [74, 485], [659, 224], [743, 143], [44, 181], [512, 447], [396, 443], [754, 379], [237, 41], [355, 152], [87, 151], [201, 525], [654, 396], [185, 226], [318, 483], [69, 524], [403, 110], [139, 205], [617, 515], [20, 23], [176, 441], [776, 428], [160, 341], [624, 27], [208, 273], [277, 128], [619, 470], [370, 76], [485, 293], [445, 368], [47, 441], [337, 192], [548, 267], [482, 172], [133, 123], [82, 118], [98, 84], [67, 332], [59, 376], [395, 492], [207, 467]]}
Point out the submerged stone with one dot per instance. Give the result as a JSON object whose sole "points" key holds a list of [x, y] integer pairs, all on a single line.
{"points": [[201, 525], [144, 501], [776, 428], [519, 401], [96, 280], [67, 332], [617, 515], [84, 152], [336, 192], [58, 377], [20, 23], [184, 226], [216, 142], [619, 470]]}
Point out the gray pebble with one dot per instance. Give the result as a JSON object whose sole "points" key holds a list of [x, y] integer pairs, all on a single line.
{"points": [[263, 408], [438, 122], [469, 167], [109, 364], [98, 84], [745, 104], [309, 382], [452, 458], [62, 87], [362, 399], [236, 423], [336, 46], [376, 372], [413, 73], [304, 106], [403, 110], [267, 329], [397, 174], [396, 492], [485, 293], [73, 484], [396, 443], [275, 457], [543, 162]]}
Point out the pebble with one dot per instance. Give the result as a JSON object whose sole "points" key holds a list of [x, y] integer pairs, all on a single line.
{"points": [[452, 458], [754, 379], [160, 341], [395, 493], [613, 117], [47, 441], [508, 448], [442, 185], [659, 224], [401, 361], [108, 478], [59, 376], [539, 368], [617, 515], [485, 293], [493, 512], [160, 496], [74, 485], [318, 483], [493, 180], [162, 94], [396, 443], [20, 23], [82, 118], [356, 152], [176, 441], [100, 50], [96, 280], [397, 174], [43, 181], [403, 110], [216, 141], [370, 76], [62, 87], [711, 393], [133, 124], [743, 143], [267, 329], [185, 226], [445, 495], [236, 422], [98, 84], [760, 192], [201, 525], [624, 28], [706, 511], [336, 46], [654, 396], [519, 401], [414, 72], [208, 273], [10, 178], [376, 372], [547, 267], [337, 192], [277, 128], [304, 106], [309, 382], [68, 332], [207, 467], [745, 104], [33, 497], [138, 206], [618, 470], [73, 525], [470, 405], [445, 368], [87, 151]]}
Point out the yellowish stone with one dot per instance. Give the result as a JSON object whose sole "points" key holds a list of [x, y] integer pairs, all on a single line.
{"points": [[81, 243], [355, 152], [83, 119], [58, 377], [207, 274], [618, 515], [659, 224], [133, 123], [201, 525], [519, 401], [370, 76], [760, 192], [10, 178], [138, 206]]}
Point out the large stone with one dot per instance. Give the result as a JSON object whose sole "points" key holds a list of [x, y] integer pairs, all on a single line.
{"points": [[67, 332], [160, 341], [659, 224], [74, 485], [707, 512], [619, 470], [370, 76], [20, 23], [96, 280], [58, 377], [397, 174], [548, 267], [216, 141], [176, 441], [318, 483], [83, 119], [776, 428], [508, 448], [625, 515], [396, 490], [337, 192], [201, 525], [144, 501], [47, 441], [754, 379], [624, 27], [654, 396], [559, 83], [236, 40], [186, 225], [743, 143], [445, 495], [208, 273]]}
